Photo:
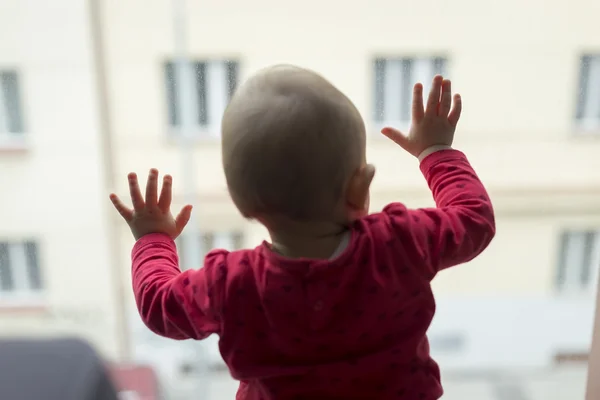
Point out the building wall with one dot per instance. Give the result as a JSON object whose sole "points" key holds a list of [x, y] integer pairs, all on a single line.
{"points": [[519, 86], [518, 76], [497, 71], [53, 184]]}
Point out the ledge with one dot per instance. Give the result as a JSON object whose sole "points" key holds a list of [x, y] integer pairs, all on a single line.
{"points": [[10, 144], [8, 308]]}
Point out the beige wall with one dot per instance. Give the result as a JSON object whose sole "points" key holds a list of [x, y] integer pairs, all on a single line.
{"points": [[519, 87], [519, 84]]}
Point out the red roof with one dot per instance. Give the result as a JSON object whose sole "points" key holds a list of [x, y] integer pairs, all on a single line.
{"points": [[135, 378]]}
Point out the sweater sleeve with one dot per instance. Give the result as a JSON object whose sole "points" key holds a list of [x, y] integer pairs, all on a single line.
{"points": [[174, 304], [458, 229]]}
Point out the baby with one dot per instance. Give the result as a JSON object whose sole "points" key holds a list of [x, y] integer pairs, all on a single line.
{"points": [[338, 304]]}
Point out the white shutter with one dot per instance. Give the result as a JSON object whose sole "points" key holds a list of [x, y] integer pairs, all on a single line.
{"points": [[187, 97], [591, 108], [423, 71], [392, 92], [3, 109], [595, 263], [574, 258], [18, 263], [216, 94]]}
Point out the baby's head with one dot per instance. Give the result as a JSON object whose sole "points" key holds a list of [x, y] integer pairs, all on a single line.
{"points": [[294, 150]]}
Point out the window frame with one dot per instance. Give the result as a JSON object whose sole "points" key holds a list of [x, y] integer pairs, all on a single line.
{"points": [[592, 390], [584, 124], [587, 273], [593, 383], [207, 242], [439, 63], [35, 292], [11, 137], [203, 129]]}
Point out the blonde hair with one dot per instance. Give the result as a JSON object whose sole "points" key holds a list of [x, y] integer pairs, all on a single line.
{"points": [[290, 142]]}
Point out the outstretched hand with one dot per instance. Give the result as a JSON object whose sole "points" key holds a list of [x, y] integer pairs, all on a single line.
{"points": [[152, 214], [433, 125]]}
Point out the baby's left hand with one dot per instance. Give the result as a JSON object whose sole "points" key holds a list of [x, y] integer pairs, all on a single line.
{"points": [[153, 214]]}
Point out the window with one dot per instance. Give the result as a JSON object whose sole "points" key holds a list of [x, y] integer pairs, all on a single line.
{"points": [[213, 84], [394, 81], [579, 260], [588, 101], [20, 276], [449, 343], [212, 240], [11, 121]]}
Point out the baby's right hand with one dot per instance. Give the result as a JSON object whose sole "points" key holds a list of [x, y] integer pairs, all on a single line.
{"points": [[152, 214], [433, 126]]}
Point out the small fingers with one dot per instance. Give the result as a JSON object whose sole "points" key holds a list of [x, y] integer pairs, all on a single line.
{"points": [[152, 188], [418, 110], [454, 115], [183, 218], [134, 190], [434, 96], [126, 212], [166, 194], [398, 137], [446, 98]]}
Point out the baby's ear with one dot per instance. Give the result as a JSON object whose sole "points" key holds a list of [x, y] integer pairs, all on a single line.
{"points": [[357, 196], [369, 172], [366, 174]]}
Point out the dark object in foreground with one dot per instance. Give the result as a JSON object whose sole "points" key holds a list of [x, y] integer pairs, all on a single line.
{"points": [[52, 369]]}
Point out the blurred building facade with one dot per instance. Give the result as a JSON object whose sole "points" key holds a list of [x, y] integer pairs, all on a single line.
{"points": [[531, 128], [55, 251]]}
